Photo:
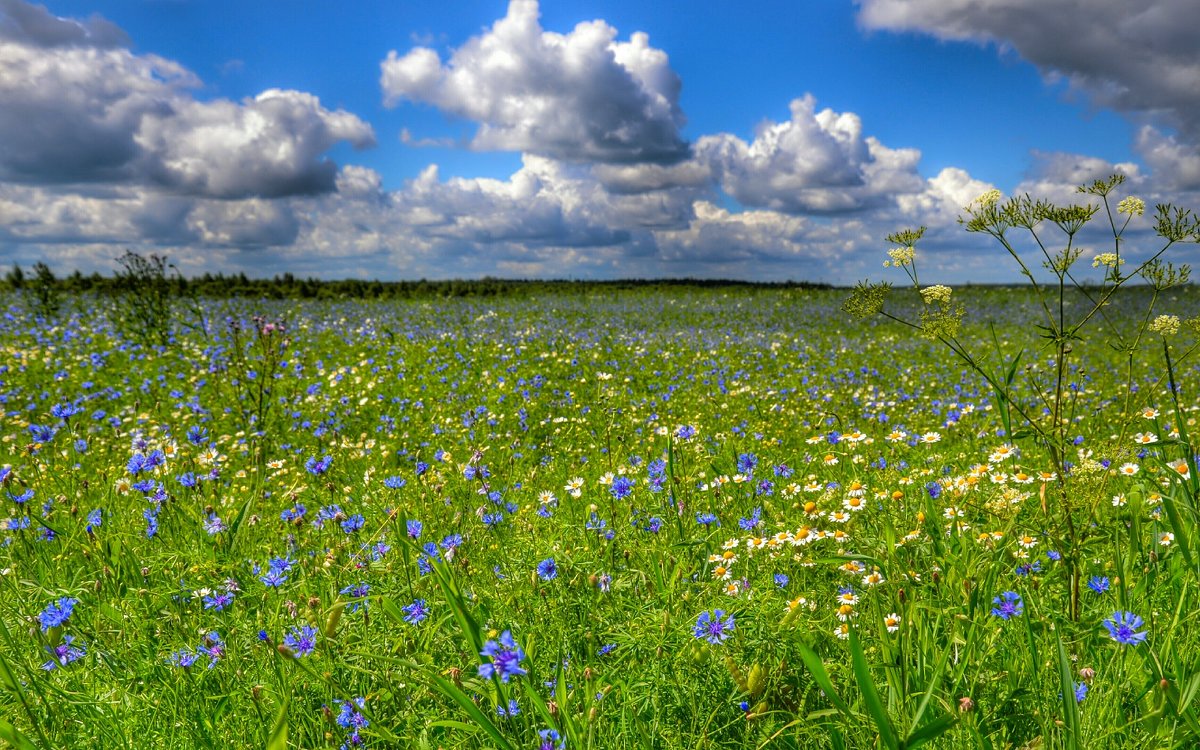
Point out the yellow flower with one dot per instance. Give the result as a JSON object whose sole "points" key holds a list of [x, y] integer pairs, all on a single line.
{"points": [[1132, 206], [1165, 325]]}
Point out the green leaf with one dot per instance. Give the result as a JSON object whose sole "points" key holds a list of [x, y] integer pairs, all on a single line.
{"points": [[1066, 687], [813, 663], [866, 686], [14, 738], [279, 731], [930, 731], [481, 719]]}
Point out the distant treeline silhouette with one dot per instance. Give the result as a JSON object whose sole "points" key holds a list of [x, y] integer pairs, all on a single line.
{"points": [[287, 286]]}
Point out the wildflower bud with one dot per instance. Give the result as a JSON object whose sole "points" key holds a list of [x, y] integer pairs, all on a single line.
{"points": [[145, 572], [1163, 683], [456, 676], [757, 680], [921, 517], [256, 693], [588, 674], [592, 713], [937, 578], [74, 510], [313, 602], [593, 580], [332, 622], [98, 586], [965, 704], [552, 709], [901, 596], [1086, 674], [326, 713]]}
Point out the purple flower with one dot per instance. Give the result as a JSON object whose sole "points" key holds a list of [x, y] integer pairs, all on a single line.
{"points": [[506, 658], [1008, 605], [416, 612], [301, 640], [547, 570], [1122, 626], [712, 628], [63, 654], [218, 601]]}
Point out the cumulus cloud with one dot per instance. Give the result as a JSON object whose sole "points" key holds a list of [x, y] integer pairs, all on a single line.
{"points": [[26, 23], [77, 106], [1135, 57], [581, 96], [816, 161]]}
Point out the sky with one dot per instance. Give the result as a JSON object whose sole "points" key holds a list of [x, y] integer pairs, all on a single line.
{"points": [[760, 140]]}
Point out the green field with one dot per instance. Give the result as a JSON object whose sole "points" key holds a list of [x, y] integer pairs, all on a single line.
{"points": [[640, 518]]}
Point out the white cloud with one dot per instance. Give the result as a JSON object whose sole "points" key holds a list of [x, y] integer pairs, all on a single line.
{"points": [[76, 106], [1135, 57], [814, 162], [581, 96]]}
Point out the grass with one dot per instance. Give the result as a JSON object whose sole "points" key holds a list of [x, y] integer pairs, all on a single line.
{"points": [[836, 487]]}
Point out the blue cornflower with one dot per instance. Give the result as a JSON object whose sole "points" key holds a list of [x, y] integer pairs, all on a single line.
{"points": [[416, 612], [712, 628], [753, 522], [621, 487], [506, 658], [41, 434], [707, 519], [547, 570], [318, 466], [512, 709], [746, 463], [395, 483], [183, 658], [63, 654], [196, 435], [1081, 690], [187, 479], [1008, 605], [549, 739], [64, 411], [94, 519], [1054, 555], [781, 580], [452, 541], [1122, 626], [301, 640], [1098, 584], [353, 523], [213, 524], [294, 513], [57, 613], [934, 489], [606, 649], [349, 716], [218, 601]]}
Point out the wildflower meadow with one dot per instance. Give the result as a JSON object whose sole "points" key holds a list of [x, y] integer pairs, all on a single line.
{"points": [[617, 518]]}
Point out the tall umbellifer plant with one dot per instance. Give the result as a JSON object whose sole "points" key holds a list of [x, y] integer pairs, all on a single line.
{"points": [[1035, 407], [141, 307]]}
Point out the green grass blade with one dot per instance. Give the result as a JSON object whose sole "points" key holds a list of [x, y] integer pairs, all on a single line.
{"points": [[815, 668], [874, 704], [278, 738]]}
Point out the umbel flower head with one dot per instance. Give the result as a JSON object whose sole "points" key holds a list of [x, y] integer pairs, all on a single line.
{"points": [[1132, 206], [1165, 325], [936, 293]]}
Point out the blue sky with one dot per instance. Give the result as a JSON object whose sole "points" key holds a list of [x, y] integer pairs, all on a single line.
{"points": [[765, 140]]}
